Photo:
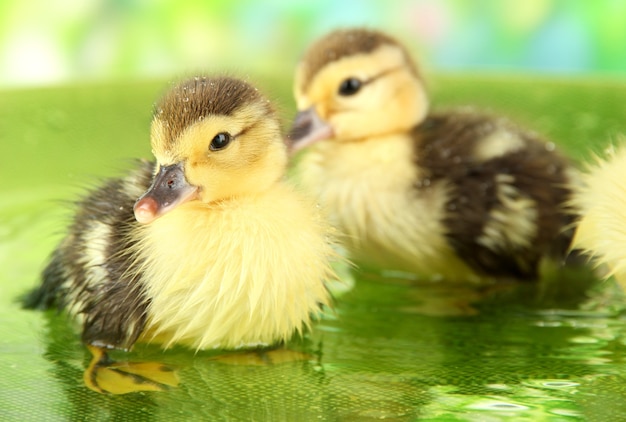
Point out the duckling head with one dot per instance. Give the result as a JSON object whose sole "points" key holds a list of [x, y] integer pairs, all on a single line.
{"points": [[213, 139], [354, 84]]}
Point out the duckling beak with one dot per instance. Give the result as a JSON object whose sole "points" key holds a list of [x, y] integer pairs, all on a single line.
{"points": [[169, 189], [308, 128]]}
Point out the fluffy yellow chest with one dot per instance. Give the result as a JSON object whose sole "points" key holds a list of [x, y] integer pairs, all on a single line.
{"points": [[240, 273], [368, 187]]}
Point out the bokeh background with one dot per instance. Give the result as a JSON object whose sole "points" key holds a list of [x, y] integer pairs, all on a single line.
{"points": [[77, 82], [45, 42]]}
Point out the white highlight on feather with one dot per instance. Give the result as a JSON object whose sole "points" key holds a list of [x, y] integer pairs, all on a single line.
{"points": [[242, 272], [368, 186], [601, 201], [93, 259], [512, 223], [497, 144]]}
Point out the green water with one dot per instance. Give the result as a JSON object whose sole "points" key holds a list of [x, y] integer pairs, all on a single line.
{"points": [[392, 349]]}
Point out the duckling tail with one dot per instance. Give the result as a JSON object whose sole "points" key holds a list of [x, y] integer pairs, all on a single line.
{"points": [[46, 295]]}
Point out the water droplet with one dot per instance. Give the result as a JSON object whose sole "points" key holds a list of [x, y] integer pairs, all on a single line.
{"points": [[560, 384], [497, 406]]}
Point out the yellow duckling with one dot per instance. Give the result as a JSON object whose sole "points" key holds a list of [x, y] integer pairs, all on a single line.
{"points": [[453, 195], [209, 248], [601, 201]]}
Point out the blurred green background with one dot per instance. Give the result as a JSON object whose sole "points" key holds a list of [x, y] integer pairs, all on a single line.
{"points": [[77, 84], [56, 41]]}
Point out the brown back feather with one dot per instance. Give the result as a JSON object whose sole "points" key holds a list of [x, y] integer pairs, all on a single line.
{"points": [[444, 145]]}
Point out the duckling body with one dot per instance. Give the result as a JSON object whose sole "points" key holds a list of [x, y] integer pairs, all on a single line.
{"points": [[456, 195], [209, 247], [601, 201]]}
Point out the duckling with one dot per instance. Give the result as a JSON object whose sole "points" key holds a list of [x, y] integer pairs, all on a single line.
{"points": [[601, 200], [209, 247], [451, 195]]}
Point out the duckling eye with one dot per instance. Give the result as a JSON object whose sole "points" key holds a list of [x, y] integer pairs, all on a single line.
{"points": [[220, 141], [350, 86]]}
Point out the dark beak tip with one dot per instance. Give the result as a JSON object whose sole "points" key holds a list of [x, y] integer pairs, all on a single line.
{"points": [[301, 127], [298, 131]]}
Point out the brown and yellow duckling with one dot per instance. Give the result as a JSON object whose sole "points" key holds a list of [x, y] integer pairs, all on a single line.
{"points": [[601, 201], [454, 195], [208, 248]]}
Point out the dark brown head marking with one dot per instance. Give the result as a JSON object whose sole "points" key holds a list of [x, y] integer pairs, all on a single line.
{"points": [[344, 43], [194, 99]]}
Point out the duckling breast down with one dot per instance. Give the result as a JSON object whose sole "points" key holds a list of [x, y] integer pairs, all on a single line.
{"points": [[241, 272], [368, 189]]}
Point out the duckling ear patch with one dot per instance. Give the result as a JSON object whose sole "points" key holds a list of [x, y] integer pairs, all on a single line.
{"points": [[194, 99]]}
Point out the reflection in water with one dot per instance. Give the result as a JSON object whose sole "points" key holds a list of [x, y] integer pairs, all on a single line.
{"points": [[104, 375], [376, 357]]}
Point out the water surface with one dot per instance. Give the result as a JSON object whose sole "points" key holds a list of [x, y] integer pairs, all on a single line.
{"points": [[391, 349]]}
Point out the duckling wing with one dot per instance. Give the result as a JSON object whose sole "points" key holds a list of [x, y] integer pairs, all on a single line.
{"points": [[506, 192], [93, 271]]}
